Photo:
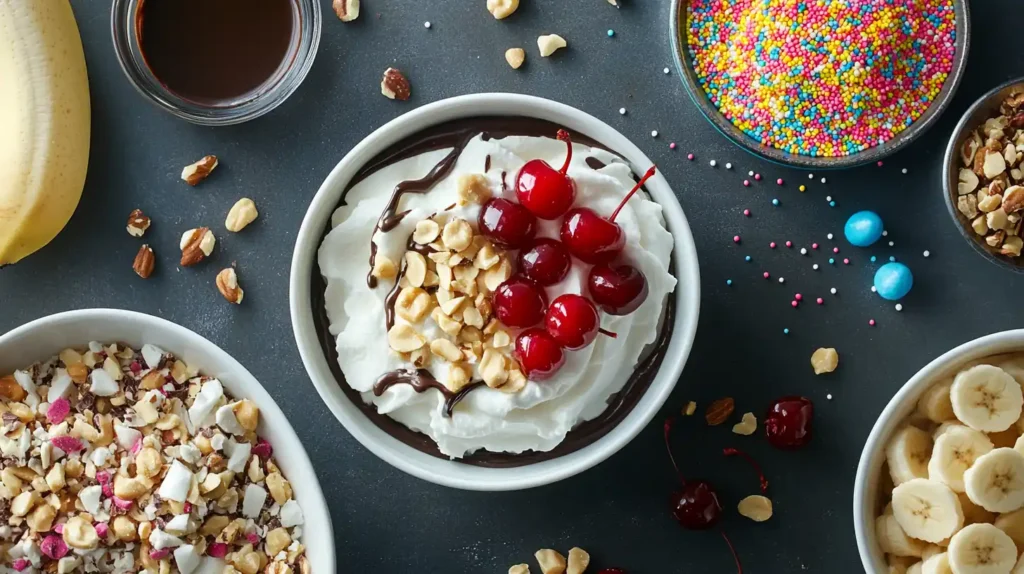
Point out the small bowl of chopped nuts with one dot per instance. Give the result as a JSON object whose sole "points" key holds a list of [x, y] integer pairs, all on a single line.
{"points": [[131, 443], [983, 179]]}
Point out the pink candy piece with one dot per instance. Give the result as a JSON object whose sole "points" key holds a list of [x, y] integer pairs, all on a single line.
{"points": [[820, 301], [880, 164], [67, 444], [746, 212], [262, 448], [846, 261], [118, 502], [799, 297], [58, 410], [102, 476], [814, 246], [102, 529], [757, 176], [59, 529], [835, 250], [108, 490], [766, 275], [689, 156], [217, 550], [672, 145], [20, 564], [793, 303], [187, 507], [746, 183], [772, 245], [53, 547], [135, 367], [160, 554], [735, 238], [252, 538], [137, 446], [871, 322], [779, 181], [789, 244]]}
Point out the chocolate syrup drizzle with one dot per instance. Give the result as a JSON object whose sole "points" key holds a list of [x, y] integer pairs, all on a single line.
{"points": [[456, 135]]}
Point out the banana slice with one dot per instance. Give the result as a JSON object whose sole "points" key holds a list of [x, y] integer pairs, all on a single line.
{"points": [[981, 549], [915, 568], [939, 430], [986, 398], [931, 550], [937, 564], [894, 540], [1019, 568], [1012, 523], [1019, 445], [935, 403], [973, 513], [955, 450], [927, 509], [996, 481], [907, 454]]}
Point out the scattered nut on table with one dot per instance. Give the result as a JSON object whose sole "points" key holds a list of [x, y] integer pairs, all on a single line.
{"points": [[394, 85], [756, 507], [515, 57], [196, 245], [347, 10], [747, 425], [144, 262], [200, 170], [550, 561], [241, 214], [138, 223], [549, 44], [824, 360], [502, 9], [227, 284]]}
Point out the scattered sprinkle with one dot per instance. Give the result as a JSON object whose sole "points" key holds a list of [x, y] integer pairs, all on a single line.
{"points": [[728, 165], [904, 170], [611, 32], [814, 246], [789, 244], [785, 331], [927, 253], [689, 156], [803, 251], [747, 258], [871, 322], [735, 238], [654, 133], [833, 291], [828, 198], [834, 249], [820, 301], [879, 163], [750, 173], [779, 181], [772, 245], [426, 25], [782, 279], [775, 202], [746, 183], [757, 177], [766, 275], [728, 281], [885, 232], [892, 258], [712, 163], [899, 306], [622, 111], [747, 213], [794, 303], [831, 261], [831, 204], [666, 70], [829, 396], [846, 261], [803, 188], [873, 259], [823, 180], [873, 289], [891, 243], [815, 266], [798, 297]]}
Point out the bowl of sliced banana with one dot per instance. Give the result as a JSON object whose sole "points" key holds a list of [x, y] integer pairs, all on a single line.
{"points": [[940, 484]]}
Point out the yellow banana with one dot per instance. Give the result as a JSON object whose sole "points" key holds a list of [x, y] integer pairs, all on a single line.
{"points": [[44, 123]]}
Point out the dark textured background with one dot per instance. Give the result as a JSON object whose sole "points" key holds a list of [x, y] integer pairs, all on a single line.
{"points": [[386, 522]]}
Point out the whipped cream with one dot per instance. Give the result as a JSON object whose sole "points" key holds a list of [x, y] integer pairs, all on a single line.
{"points": [[540, 415]]}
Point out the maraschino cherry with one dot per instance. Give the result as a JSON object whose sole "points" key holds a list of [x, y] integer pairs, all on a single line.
{"points": [[545, 261], [788, 422], [573, 321], [547, 193], [617, 289], [519, 302], [539, 354], [507, 223], [592, 238]]}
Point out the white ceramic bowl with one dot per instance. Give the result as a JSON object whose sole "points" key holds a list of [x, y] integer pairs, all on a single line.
{"points": [[43, 338], [866, 487], [457, 474]]}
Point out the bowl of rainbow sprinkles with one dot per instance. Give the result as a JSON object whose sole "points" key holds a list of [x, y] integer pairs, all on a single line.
{"points": [[821, 83]]}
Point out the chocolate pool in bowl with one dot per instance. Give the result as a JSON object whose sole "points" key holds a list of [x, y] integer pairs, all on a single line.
{"points": [[606, 392]]}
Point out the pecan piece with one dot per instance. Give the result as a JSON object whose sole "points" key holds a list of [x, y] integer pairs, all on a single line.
{"points": [[138, 223], [347, 10], [195, 245], [200, 170], [718, 412], [144, 262], [227, 284], [394, 85]]}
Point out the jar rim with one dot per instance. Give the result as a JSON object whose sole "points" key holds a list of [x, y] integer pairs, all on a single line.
{"points": [[295, 67]]}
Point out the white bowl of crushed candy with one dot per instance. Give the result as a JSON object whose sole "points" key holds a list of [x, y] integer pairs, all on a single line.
{"points": [[132, 444], [408, 322]]}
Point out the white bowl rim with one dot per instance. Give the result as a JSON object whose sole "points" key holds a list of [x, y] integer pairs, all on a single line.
{"points": [[902, 403], [322, 552], [453, 474]]}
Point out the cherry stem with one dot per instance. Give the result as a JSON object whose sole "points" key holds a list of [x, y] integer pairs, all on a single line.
{"points": [[753, 463], [639, 184], [607, 333], [669, 423], [564, 136], [736, 557]]}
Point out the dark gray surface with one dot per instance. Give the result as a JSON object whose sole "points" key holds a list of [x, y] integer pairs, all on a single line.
{"points": [[386, 522]]}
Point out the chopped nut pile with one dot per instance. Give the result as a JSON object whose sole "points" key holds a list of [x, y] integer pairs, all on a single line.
{"points": [[117, 460], [988, 190], [448, 278], [553, 562]]}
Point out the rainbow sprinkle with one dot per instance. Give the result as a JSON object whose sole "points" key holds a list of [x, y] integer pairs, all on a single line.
{"points": [[822, 77]]}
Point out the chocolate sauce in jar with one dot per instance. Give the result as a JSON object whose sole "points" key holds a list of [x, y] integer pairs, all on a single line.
{"points": [[216, 51]]}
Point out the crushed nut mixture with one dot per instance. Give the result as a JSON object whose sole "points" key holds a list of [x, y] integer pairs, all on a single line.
{"points": [[553, 562], [118, 460], [989, 193], [448, 278]]}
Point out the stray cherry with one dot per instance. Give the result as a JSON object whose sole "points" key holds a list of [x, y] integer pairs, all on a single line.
{"points": [[617, 290], [519, 302], [592, 238], [507, 223], [573, 321], [547, 193], [788, 423], [538, 353], [545, 261]]}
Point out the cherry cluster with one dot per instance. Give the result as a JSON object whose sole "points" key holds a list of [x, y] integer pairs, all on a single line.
{"points": [[571, 321]]}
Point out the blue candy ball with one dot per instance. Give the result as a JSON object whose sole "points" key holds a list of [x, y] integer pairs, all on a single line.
{"points": [[893, 281], [863, 228]]}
